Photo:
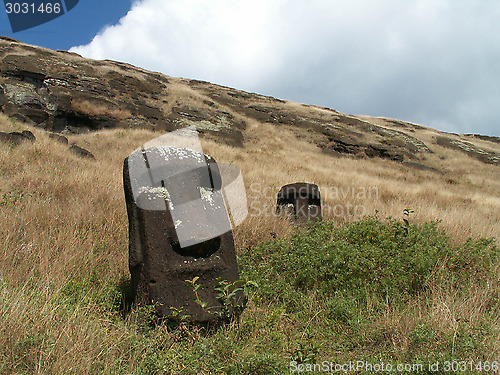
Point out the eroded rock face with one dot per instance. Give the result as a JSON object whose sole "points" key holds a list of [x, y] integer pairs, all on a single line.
{"points": [[301, 200], [81, 152], [16, 138], [335, 133], [64, 92], [474, 151], [179, 229]]}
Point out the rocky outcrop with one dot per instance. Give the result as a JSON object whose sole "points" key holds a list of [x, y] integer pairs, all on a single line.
{"points": [[485, 137], [16, 138], [472, 150], [59, 138], [64, 92], [335, 133], [79, 151], [29, 135]]}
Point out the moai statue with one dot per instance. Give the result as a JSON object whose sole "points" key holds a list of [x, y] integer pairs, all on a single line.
{"points": [[179, 229], [302, 200]]}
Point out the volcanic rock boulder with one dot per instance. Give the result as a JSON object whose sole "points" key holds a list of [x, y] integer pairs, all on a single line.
{"points": [[300, 199], [59, 138], [179, 229], [16, 138], [28, 135], [81, 152]]}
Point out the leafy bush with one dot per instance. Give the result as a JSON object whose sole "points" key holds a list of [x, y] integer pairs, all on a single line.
{"points": [[390, 260]]}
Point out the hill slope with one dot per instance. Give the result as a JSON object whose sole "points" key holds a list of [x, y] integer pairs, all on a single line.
{"points": [[63, 223], [62, 91], [440, 175]]}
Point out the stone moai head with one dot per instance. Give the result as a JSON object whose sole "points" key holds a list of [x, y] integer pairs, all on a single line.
{"points": [[179, 228], [302, 200]]}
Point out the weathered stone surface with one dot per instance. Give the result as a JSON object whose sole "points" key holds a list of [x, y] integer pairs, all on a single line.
{"points": [[300, 199], [63, 92], [178, 229], [28, 135], [59, 138], [472, 150], [17, 138], [81, 152]]}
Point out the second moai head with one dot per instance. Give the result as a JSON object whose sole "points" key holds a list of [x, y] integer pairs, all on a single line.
{"points": [[301, 200]]}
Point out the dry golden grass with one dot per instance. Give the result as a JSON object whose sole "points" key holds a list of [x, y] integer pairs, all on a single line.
{"points": [[93, 109], [63, 218], [443, 310], [466, 198]]}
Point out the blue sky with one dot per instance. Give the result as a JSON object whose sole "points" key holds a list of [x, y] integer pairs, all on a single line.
{"points": [[78, 26], [432, 62]]}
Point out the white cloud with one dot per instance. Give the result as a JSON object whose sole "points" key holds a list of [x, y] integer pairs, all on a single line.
{"points": [[428, 61]]}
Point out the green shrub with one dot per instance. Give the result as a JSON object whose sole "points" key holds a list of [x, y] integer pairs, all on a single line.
{"points": [[389, 260]]}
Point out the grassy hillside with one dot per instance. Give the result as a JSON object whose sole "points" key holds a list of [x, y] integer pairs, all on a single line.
{"points": [[358, 287]]}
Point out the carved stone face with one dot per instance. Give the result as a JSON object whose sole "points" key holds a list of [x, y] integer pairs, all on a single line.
{"points": [[179, 228], [187, 185], [302, 199]]}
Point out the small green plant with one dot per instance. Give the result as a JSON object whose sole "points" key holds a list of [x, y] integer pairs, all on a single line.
{"points": [[232, 297], [407, 212], [195, 286], [147, 317], [406, 220], [305, 353], [178, 317], [10, 199]]}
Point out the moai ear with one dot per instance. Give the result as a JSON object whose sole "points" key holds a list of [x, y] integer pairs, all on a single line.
{"points": [[304, 200]]}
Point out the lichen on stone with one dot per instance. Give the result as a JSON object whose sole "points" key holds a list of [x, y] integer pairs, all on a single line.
{"points": [[207, 195], [157, 192]]}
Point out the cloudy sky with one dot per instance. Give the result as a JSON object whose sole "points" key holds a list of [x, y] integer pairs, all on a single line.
{"points": [[434, 62]]}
